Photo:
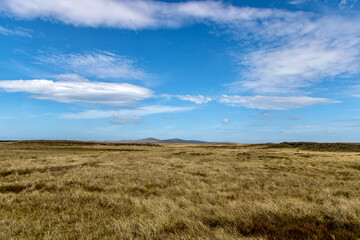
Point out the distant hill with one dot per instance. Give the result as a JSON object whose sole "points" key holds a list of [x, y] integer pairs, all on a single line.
{"points": [[155, 140]]}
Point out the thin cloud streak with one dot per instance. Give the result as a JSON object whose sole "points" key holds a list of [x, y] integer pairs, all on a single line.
{"points": [[109, 94], [273, 102], [100, 64], [134, 14], [198, 99], [140, 111], [21, 32]]}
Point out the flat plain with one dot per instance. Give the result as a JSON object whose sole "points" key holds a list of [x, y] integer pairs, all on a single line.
{"points": [[91, 190]]}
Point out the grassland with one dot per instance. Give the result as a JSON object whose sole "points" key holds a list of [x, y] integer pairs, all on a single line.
{"points": [[83, 190]]}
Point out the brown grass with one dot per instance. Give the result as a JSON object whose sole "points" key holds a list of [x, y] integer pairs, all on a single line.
{"points": [[81, 190]]}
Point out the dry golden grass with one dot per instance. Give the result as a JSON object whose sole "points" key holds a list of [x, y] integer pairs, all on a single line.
{"points": [[74, 190]]}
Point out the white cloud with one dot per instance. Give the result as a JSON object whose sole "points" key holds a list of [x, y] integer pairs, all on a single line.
{"points": [[99, 64], [298, 52], [140, 111], [298, 49], [342, 2], [198, 99], [133, 14], [273, 102], [225, 120], [297, 2], [111, 94], [22, 32]]}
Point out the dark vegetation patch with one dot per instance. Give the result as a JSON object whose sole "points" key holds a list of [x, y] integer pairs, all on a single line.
{"points": [[176, 165], [40, 145], [305, 155], [273, 157], [356, 167], [191, 153], [40, 170], [179, 153], [92, 188], [313, 146], [84, 186], [80, 143], [243, 155], [198, 174], [342, 194], [174, 227], [137, 144], [58, 143], [200, 154], [142, 192], [275, 226], [223, 146], [100, 149], [90, 164], [156, 185], [60, 169], [16, 188]]}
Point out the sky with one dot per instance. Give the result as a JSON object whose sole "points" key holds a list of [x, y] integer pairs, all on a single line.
{"points": [[247, 71]]}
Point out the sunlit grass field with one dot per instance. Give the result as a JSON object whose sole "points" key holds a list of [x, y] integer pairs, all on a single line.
{"points": [[85, 190]]}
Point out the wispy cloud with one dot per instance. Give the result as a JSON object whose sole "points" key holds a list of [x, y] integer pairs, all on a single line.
{"points": [[257, 102], [325, 129], [347, 3], [133, 14], [354, 91], [100, 64], [110, 94], [140, 111], [297, 53], [297, 2], [273, 102], [72, 77], [198, 99], [21, 32]]}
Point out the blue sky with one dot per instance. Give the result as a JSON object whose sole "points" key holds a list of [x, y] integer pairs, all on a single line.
{"points": [[237, 71]]}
